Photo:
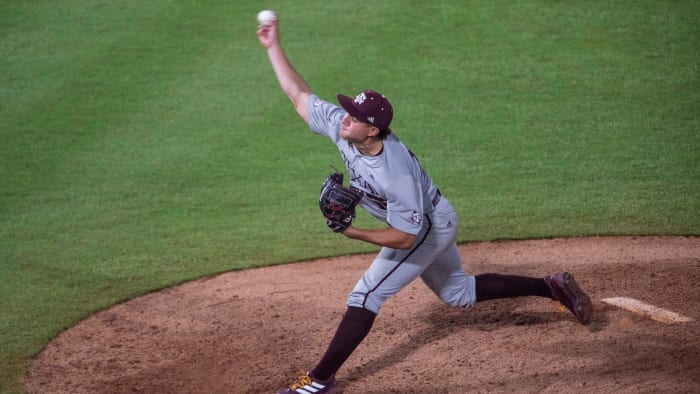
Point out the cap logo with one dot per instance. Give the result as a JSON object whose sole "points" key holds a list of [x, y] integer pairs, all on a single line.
{"points": [[371, 119], [360, 98]]}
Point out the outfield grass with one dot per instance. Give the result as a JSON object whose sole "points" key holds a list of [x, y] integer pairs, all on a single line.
{"points": [[148, 143]]}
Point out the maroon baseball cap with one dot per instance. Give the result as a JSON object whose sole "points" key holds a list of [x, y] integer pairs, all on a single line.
{"points": [[369, 107]]}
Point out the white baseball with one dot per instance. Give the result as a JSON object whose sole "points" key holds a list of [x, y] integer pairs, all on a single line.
{"points": [[266, 17]]}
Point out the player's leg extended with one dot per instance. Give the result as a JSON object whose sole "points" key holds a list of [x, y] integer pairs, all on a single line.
{"points": [[448, 280], [446, 276]]}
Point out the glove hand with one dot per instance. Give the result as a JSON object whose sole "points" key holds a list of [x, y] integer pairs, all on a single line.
{"points": [[338, 202]]}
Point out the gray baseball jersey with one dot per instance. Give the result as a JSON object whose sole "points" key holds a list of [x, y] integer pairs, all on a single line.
{"points": [[400, 193], [397, 189]]}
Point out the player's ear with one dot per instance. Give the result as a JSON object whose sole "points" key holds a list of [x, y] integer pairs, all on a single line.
{"points": [[373, 131]]}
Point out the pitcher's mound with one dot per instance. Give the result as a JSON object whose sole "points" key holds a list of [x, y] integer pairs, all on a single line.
{"points": [[254, 331]]}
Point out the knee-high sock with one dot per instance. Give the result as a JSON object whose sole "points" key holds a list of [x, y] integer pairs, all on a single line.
{"points": [[353, 328], [492, 286]]}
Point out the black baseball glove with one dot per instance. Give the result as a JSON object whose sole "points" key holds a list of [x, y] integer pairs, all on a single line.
{"points": [[338, 202]]}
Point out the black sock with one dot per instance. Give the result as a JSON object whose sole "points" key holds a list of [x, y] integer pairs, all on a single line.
{"points": [[353, 328], [492, 286]]}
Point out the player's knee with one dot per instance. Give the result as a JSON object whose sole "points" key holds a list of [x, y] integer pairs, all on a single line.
{"points": [[462, 298], [453, 301]]}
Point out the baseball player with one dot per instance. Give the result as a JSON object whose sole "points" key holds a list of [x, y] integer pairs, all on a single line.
{"points": [[421, 225]]}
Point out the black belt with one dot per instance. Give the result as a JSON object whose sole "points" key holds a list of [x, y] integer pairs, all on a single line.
{"points": [[437, 198]]}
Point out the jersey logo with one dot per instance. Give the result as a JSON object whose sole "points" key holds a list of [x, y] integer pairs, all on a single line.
{"points": [[317, 102], [417, 218]]}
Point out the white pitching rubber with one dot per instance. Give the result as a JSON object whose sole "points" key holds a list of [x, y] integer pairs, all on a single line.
{"points": [[655, 313]]}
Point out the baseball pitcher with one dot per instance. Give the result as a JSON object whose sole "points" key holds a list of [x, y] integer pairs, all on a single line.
{"points": [[387, 180]]}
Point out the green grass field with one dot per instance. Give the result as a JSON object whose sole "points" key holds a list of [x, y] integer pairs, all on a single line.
{"points": [[148, 143]]}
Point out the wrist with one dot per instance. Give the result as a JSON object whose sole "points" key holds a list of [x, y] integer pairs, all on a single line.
{"points": [[349, 232], [273, 47]]}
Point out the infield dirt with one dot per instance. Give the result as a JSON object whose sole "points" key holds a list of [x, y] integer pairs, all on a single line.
{"points": [[253, 331]]}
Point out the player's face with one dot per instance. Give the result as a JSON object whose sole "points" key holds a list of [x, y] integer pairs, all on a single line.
{"points": [[354, 130]]}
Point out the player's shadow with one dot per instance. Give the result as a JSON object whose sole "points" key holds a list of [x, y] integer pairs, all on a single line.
{"points": [[443, 321]]}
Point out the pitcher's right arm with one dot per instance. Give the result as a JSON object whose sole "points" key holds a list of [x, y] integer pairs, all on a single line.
{"points": [[293, 85]]}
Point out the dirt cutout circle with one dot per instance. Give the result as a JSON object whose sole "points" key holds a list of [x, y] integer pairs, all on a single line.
{"points": [[253, 331]]}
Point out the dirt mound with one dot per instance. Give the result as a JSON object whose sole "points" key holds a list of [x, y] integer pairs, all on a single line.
{"points": [[253, 331]]}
